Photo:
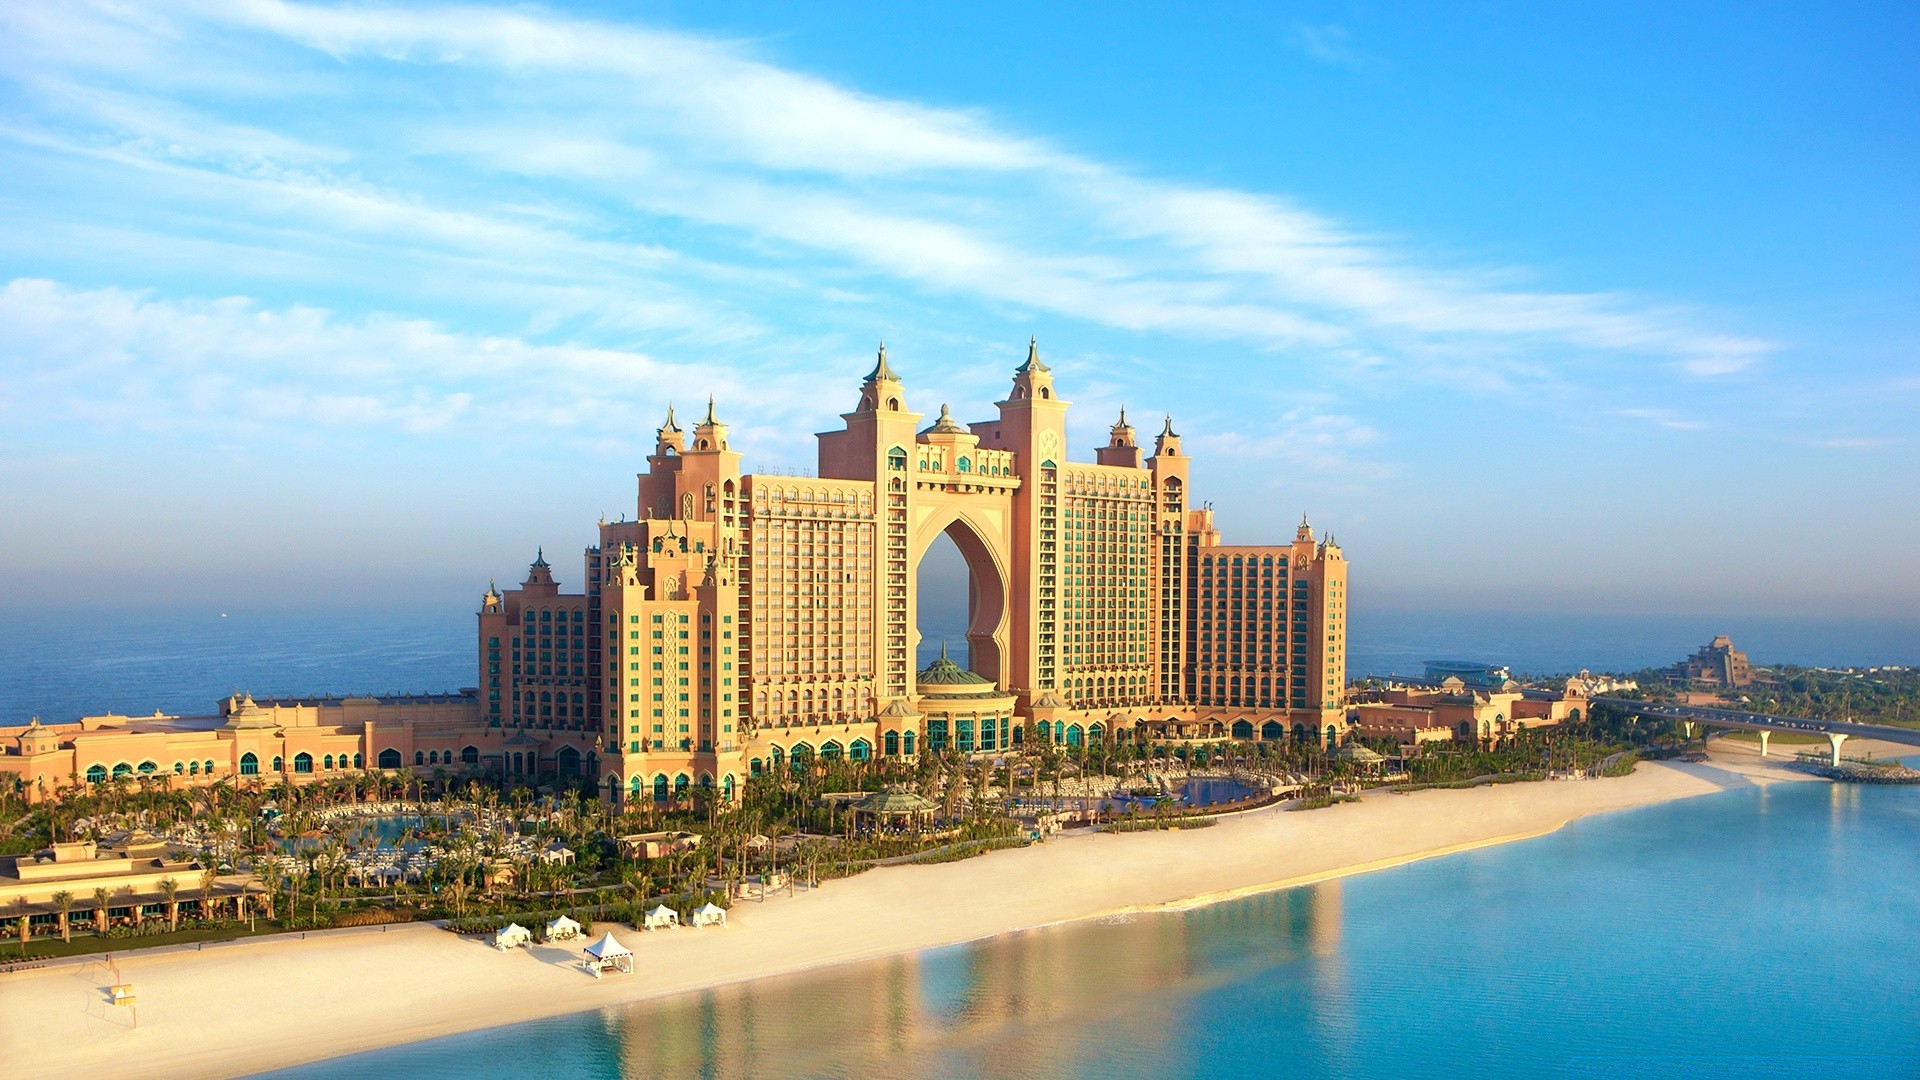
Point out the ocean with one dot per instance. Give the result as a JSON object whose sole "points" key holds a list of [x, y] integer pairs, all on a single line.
{"points": [[63, 664], [1759, 932]]}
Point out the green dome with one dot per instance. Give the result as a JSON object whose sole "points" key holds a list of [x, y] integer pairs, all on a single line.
{"points": [[944, 672]]}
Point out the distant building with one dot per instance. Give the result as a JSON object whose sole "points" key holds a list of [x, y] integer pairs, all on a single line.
{"points": [[1471, 675], [1414, 715], [1717, 662], [1587, 684]]}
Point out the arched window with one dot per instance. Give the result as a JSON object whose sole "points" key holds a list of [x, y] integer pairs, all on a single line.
{"points": [[389, 758], [659, 788], [680, 785], [193, 768], [209, 767], [250, 765], [356, 761], [893, 743], [122, 770], [179, 768], [148, 768], [327, 763], [303, 762], [96, 774], [906, 744], [726, 786], [419, 757], [470, 755], [279, 764]]}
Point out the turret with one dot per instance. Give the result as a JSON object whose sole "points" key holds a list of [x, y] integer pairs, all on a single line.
{"points": [[1033, 378], [540, 577], [667, 438], [882, 390], [1167, 443], [710, 434], [1120, 448]]}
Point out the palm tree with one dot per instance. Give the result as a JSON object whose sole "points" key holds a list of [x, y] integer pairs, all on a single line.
{"points": [[63, 902], [99, 911], [170, 889], [209, 875]]}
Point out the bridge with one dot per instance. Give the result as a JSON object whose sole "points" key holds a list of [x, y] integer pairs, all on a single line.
{"points": [[1836, 731]]}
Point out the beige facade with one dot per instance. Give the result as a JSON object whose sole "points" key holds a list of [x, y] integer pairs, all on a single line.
{"points": [[742, 621], [1412, 715]]}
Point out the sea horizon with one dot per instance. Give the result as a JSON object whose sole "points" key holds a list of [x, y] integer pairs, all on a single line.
{"points": [[183, 660]]}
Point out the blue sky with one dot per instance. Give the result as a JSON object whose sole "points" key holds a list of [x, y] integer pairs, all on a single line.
{"points": [[1574, 307]]}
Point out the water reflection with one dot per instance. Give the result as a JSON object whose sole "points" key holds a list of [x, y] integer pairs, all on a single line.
{"points": [[1014, 1006]]}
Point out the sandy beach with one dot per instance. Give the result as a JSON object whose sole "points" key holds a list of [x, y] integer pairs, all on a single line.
{"points": [[250, 1006]]}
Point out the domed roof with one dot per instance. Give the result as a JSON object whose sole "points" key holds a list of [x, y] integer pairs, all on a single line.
{"points": [[947, 679], [944, 672]]}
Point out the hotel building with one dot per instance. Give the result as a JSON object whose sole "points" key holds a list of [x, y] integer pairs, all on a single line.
{"points": [[744, 622]]}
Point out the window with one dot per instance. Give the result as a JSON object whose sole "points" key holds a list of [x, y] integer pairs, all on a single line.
{"points": [[389, 758], [419, 758], [250, 765], [470, 755], [97, 774], [303, 762]]}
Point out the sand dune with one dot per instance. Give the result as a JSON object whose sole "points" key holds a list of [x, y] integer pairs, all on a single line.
{"points": [[250, 1006]]}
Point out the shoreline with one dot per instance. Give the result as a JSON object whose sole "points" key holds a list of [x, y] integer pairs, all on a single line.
{"points": [[268, 1003]]}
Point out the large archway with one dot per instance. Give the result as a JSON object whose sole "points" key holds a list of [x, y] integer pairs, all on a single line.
{"points": [[984, 560]]}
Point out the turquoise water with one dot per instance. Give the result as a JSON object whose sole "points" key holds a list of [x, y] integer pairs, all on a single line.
{"points": [[1767, 932]]}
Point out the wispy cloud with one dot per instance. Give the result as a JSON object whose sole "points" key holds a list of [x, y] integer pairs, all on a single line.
{"points": [[1665, 418], [1331, 44], [114, 359], [689, 169]]}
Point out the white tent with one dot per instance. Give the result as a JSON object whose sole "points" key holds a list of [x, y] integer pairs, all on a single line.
{"points": [[662, 917], [512, 936], [608, 953], [562, 929], [710, 915]]}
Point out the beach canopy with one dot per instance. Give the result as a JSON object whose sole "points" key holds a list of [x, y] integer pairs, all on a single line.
{"points": [[1358, 754], [608, 953], [562, 928], [662, 916], [894, 801], [607, 948], [710, 914], [511, 936]]}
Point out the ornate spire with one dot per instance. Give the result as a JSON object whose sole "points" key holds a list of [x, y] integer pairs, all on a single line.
{"points": [[1167, 432], [1033, 362], [540, 557], [711, 419], [946, 425], [669, 425], [1305, 531], [880, 369]]}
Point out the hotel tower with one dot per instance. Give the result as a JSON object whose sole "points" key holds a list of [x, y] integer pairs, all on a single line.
{"points": [[747, 622]]}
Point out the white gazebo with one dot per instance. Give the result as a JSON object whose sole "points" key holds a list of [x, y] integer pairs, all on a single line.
{"points": [[562, 929], [710, 914], [608, 953], [512, 936], [662, 917]]}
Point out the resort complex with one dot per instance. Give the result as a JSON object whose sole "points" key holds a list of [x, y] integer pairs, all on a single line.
{"points": [[743, 623]]}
